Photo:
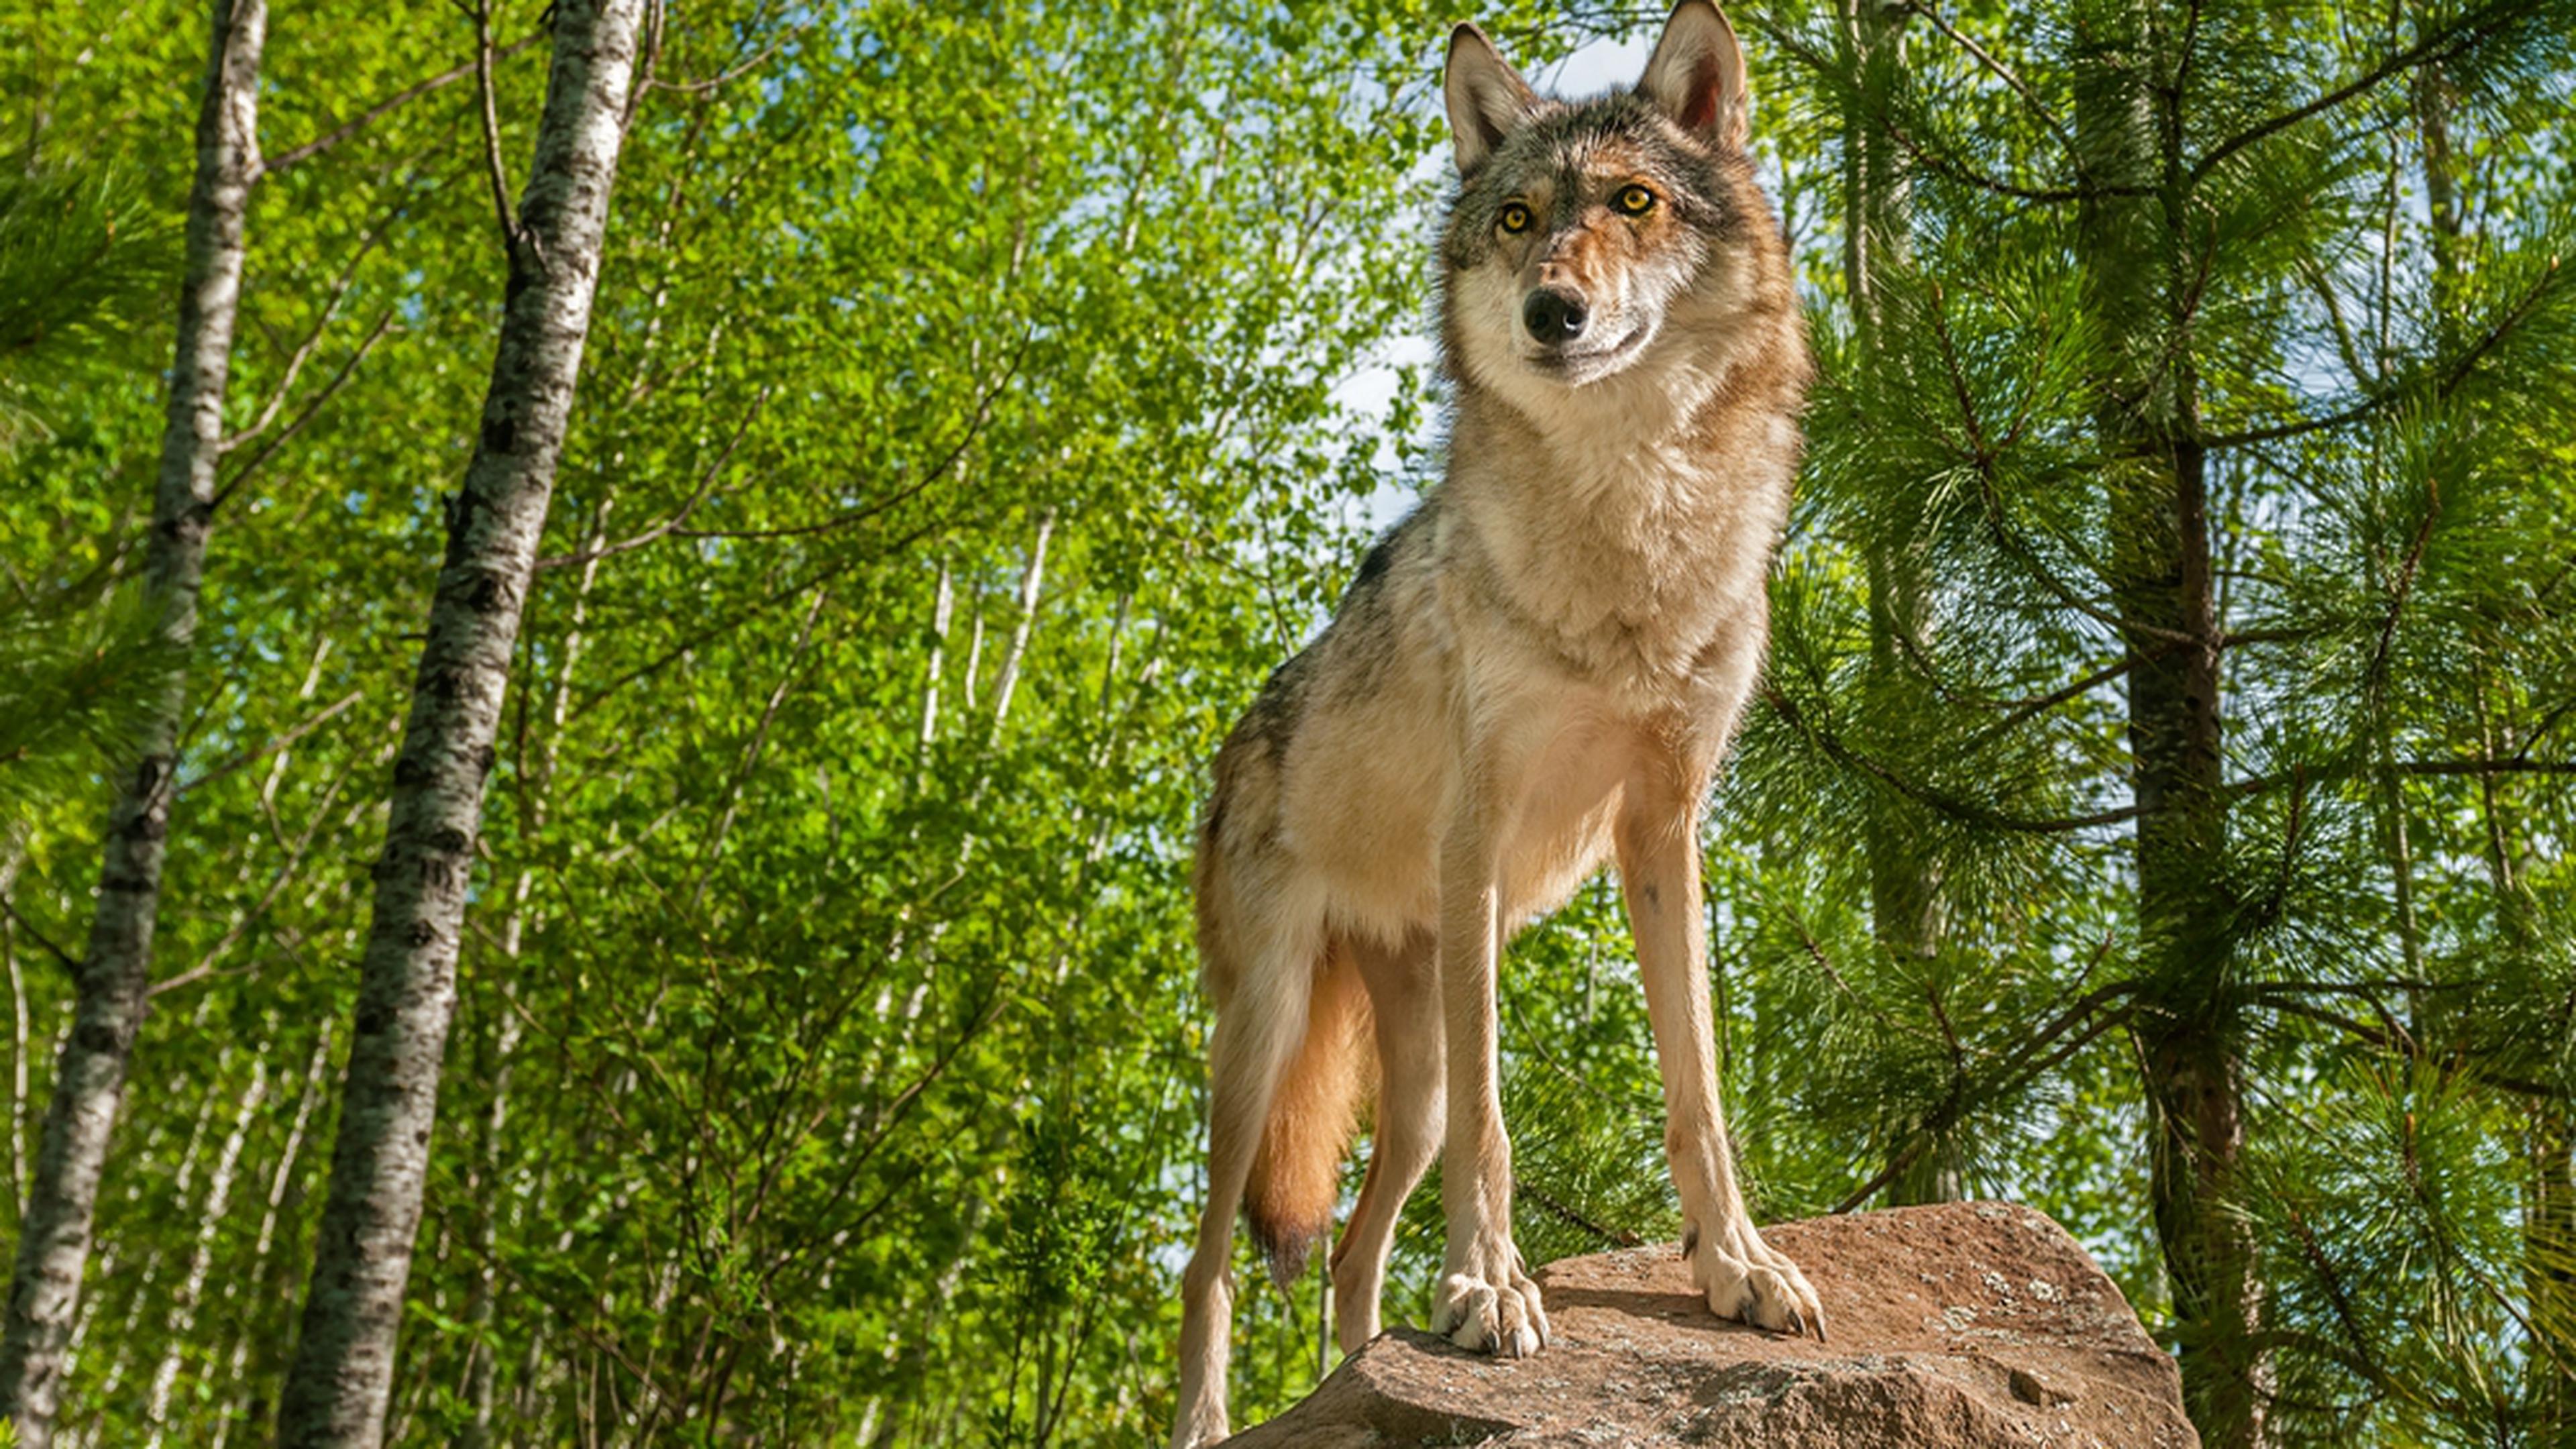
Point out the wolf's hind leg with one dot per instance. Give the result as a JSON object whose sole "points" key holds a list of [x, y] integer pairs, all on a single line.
{"points": [[1742, 1276], [1404, 994], [1257, 1031]]}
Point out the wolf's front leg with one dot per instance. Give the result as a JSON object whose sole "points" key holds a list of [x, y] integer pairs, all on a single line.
{"points": [[1742, 1276], [1486, 1299]]}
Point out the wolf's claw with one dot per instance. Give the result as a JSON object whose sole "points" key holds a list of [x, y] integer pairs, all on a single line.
{"points": [[1745, 1278], [1504, 1319]]}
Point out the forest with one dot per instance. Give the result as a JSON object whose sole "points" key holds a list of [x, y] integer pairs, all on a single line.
{"points": [[613, 615]]}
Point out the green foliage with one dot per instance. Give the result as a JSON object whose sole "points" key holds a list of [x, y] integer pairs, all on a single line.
{"points": [[74, 684], [84, 262], [966, 428]]}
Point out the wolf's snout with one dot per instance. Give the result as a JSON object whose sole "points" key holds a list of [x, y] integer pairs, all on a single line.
{"points": [[1553, 316]]}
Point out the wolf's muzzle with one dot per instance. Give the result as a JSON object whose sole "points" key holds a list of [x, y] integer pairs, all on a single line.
{"points": [[1553, 316]]}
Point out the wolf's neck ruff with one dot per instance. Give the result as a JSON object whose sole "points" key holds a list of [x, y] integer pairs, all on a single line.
{"points": [[1628, 519]]}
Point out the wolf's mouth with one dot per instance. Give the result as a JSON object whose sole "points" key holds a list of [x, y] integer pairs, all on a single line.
{"points": [[1579, 365]]}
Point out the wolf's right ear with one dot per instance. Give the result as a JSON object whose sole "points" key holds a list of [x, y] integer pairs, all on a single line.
{"points": [[1486, 97]]}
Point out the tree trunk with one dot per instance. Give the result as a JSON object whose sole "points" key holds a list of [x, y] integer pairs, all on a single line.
{"points": [[182, 1319], [342, 1377], [260, 1280], [89, 1079], [2190, 1033], [1906, 913]]}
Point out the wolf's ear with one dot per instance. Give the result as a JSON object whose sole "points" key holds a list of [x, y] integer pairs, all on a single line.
{"points": [[1697, 74], [1487, 98]]}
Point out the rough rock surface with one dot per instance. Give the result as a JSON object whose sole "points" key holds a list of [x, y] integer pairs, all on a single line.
{"points": [[1967, 1324]]}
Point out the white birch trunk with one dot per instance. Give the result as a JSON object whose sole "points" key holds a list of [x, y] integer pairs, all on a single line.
{"points": [[342, 1377], [89, 1080]]}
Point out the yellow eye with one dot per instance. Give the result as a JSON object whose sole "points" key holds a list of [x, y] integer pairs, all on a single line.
{"points": [[1634, 200], [1515, 218]]}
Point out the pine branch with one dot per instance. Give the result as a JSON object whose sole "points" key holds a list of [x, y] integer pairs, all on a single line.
{"points": [[2003, 73], [2341, 1300], [2441, 45], [2453, 377], [1825, 69], [2475, 769], [2025, 1070], [2412, 1050], [1966, 811], [1566, 1214]]}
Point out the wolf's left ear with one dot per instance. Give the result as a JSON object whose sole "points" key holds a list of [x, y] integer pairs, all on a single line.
{"points": [[1486, 97], [1697, 74]]}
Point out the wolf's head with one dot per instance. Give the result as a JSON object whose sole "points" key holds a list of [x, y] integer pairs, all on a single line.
{"points": [[1605, 238]]}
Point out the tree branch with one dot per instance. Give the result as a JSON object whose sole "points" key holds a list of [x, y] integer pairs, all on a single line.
{"points": [[304, 351], [2457, 374], [2474, 769], [307, 413], [2441, 45], [706, 484], [1964, 810], [494, 168], [283, 741], [2004, 73], [376, 112], [71, 962]]}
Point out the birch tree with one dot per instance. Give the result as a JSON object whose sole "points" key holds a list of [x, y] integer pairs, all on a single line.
{"points": [[115, 971], [341, 1379]]}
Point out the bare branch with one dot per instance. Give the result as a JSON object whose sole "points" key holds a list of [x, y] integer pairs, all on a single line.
{"points": [[974, 429], [284, 741], [205, 966], [706, 485], [70, 961], [731, 73], [378, 111], [304, 351], [309, 411], [494, 168]]}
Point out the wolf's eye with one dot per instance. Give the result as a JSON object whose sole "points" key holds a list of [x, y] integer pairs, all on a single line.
{"points": [[1634, 201], [1515, 218]]}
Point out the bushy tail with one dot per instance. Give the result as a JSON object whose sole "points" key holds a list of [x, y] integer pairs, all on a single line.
{"points": [[1297, 1170]]}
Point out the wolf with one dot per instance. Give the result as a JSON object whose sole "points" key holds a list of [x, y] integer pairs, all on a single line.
{"points": [[1536, 672]]}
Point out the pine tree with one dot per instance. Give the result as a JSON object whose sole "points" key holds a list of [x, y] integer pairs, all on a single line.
{"points": [[2191, 580]]}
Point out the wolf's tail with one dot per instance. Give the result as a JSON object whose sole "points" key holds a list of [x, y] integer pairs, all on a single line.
{"points": [[1297, 1170]]}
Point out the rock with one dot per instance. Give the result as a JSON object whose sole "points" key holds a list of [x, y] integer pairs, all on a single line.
{"points": [[1954, 1327]]}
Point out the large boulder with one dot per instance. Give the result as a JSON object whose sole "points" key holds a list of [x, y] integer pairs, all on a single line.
{"points": [[1967, 1324]]}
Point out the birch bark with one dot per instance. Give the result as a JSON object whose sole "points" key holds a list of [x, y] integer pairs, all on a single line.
{"points": [[342, 1377], [89, 1079]]}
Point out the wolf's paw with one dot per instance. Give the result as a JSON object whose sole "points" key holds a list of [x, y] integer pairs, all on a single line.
{"points": [[1491, 1306], [1745, 1278]]}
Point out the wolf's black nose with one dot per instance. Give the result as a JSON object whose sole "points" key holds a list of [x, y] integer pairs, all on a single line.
{"points": [[1553, 316]]}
